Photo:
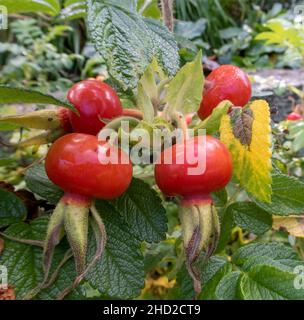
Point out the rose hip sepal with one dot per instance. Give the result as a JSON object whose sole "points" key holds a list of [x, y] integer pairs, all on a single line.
{"points": [[225, 83], [199, 219], [56, 123], [78, 164]]}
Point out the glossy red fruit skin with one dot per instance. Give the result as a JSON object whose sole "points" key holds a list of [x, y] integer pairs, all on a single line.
{"points": [[174, 180], [294, 116], [225, 83], [94, 100], [72, 163]]}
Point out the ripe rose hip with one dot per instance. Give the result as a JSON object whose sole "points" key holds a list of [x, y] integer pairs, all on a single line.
{"points": [[73, 163], [294, 116], [199, 220], [225, 83], [95, 100]]}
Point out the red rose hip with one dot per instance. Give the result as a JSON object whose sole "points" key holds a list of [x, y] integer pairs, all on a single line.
{"points": [[94, 100], [225, 83], [192, 170]]}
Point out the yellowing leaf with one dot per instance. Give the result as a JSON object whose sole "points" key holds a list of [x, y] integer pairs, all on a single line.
{"points": [[246, 132], [294, 225]]}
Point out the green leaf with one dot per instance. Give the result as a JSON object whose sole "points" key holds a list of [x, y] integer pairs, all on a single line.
{"points": [[215, 268], [296, 133], [38, 182], [142, 209], [149, 8], [147, 90], [212, 273], [185, 89], [213, 122], [12, 209], [19, 95], [24, 262], [227, 224], [227, 288], [273, 254], [250, 217], [287, 196], [51, 7], [184, 288], [127, 43], [220, 197], [164, 48], [129, 5], [7, 126], [145, 104], [65, 278], [269, 283], [120, 273]]}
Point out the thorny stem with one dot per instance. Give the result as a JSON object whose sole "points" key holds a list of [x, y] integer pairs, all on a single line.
{"points": [[167, 13]]}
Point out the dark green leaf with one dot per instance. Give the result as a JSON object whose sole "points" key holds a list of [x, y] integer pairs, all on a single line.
{"points": [[250, 217], [12, 209], [24, 262], [227, 224], [120, 273], [127, 43], [227, 288], [215, 269], [142, 209], [39, 183], [273, 253], [165, 48], [19, 95], [220, 197], [269, 283], [287, 196], [184, 288]]}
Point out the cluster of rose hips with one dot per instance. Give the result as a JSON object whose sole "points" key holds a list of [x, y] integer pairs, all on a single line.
{"points": [[74, 163]]}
